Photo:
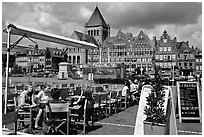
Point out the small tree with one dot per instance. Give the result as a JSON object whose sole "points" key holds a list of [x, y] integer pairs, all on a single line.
{"points": [[155, 102]]}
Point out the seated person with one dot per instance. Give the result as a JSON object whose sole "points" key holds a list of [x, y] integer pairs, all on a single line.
{"points": [[125, 90], [133, 90], [41, 98], [55, 98], [85, 94], [26, 100]]}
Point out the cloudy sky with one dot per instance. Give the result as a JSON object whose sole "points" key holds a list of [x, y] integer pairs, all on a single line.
{"points": [[181, 19]]}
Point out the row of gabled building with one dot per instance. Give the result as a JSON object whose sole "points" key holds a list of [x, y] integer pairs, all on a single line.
{"points": [[134, 52]]}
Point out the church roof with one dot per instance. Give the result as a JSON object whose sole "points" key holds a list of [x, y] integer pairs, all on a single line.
{"points": [[97, 19], [84, 37]]}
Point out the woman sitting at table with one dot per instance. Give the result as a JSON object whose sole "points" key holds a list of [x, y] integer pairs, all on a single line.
{"points": [[86, 94], [26, 100], [41, 98]]}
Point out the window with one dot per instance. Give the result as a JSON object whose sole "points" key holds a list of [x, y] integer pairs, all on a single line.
{"points": [[190, 64], [173, 57], [89, 32], [94, 32], [165, 40], [200, 67], [179, 64], [165, 48], [196, 60], [185, 57], [169, 48], [197, 67], [161, 57], [97, 32], [185, 64], [160, 48]]}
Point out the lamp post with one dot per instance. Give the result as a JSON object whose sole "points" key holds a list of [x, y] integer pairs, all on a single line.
{"points": [[173, 76], [29, 67], [130, 53]]}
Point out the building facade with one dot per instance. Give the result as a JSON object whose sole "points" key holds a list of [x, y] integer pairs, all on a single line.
{"points": [[100, 30], [166, 53], [198, 61]]}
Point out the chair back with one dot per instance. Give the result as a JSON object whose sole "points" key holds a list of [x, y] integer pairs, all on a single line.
{"points": [[19, 88], [60, 112], [12, 90], [9, 118], [113, 94], [64, 93], [77, 91], [57, 107], [12, 99], [103, 97], [99, 89], [119, 93]]}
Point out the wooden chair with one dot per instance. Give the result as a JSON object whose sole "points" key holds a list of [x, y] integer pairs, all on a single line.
{"points": [[123, 101], [25, 114], [12, 101], [114, 86], [112, 101], [81, 119], [64, 93], [100, 105], [54, 117], [19, 88], [9, 118], [77, 91], [99, 89]]}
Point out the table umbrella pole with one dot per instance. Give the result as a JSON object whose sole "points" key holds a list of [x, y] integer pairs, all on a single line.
{"points": [[7, 69]]}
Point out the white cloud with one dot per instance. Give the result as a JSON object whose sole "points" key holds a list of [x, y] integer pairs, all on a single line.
{"points": [[85, 12]]}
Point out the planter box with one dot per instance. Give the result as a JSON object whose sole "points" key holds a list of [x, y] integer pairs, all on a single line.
{"points": [[150, 129]]}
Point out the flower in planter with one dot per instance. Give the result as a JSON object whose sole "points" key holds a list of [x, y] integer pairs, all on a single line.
{"points": [[155, 102]]}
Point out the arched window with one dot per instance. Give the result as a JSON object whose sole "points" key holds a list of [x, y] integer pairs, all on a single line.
{"points": [[70, 59], [74, 59], [78, 59]]}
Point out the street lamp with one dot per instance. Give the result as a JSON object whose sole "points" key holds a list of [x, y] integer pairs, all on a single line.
{"points": [[130, 53]]}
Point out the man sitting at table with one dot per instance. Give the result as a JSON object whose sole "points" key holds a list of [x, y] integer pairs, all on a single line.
{"points": [[41, 98]]}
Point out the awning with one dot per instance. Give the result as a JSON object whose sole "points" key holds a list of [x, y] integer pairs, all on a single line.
{"points": [[23, 31]]}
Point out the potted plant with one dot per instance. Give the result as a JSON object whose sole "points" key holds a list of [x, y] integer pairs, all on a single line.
{"points": [[155, 122]]}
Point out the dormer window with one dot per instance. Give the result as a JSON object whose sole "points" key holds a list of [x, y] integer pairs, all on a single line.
{"points": [[165, 40]]}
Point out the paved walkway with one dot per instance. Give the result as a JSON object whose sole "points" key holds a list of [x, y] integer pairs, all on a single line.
{"points": [[122, 123]]}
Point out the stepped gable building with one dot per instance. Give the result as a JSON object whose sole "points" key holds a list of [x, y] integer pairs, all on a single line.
{"points": [[185, 58], [142, 53], [165, 53], [40, 59], [115, 50], [198, 61]]}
